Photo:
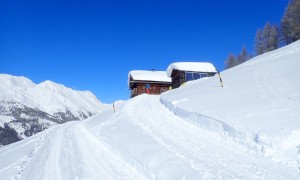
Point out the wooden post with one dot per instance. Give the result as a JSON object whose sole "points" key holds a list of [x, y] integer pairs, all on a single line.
{"points": [[220, 79]]}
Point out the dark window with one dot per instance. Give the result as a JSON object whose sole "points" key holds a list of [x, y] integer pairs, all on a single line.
{"points": [[204, 75], [188, 76], [196, 76]]}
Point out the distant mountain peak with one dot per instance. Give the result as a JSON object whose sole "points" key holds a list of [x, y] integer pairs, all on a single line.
{"points": [[26, 102], [18, 81]]}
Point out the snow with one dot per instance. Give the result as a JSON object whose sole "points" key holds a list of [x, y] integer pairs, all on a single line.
{"points": [[141, 75], [5, 119], [48, 96], [143, 140], [261, 99], [191, 66], [249, 129], [19, 129]]}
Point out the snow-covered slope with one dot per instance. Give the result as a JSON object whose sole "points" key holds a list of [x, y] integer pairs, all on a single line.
{"points": [[261, 99], [199, 131], [24, 104]]}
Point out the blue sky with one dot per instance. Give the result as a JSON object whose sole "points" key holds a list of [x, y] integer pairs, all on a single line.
{"points": [[92, 45]]}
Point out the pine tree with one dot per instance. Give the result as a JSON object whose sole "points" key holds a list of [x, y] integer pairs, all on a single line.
{"points": [[281, 38], [239, 59], [231, 61], [244, 53], [286, 27], [266, 37], [258, 43], [243, 56], [273, 39], [266, 40], [290, 22]]}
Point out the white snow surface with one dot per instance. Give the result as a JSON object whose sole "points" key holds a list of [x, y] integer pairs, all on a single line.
{"points": [[142, 75], [260, 98], [191, 66], [143, 140], [247, 130], [48, 96], [5, 119]]}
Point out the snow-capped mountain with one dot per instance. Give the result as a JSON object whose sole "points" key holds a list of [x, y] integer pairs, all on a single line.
{"points": [[29, 108]]}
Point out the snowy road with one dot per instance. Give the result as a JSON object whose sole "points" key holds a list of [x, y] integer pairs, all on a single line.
{"points": [[70, 152], [143, 140]]}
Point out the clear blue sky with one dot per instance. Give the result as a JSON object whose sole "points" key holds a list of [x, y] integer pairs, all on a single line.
{"points": [[92, 45]]}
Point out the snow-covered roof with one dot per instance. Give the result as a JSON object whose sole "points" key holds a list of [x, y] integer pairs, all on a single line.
{"points": [[191, 66], [141, 75]]}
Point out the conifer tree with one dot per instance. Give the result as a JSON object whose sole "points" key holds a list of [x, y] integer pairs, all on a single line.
{"points": [[231, 61], [266, 40], [266, 37], [273, 40], [290, 22], [244, 53], [239, 59], [258, 43], [243, 56]]}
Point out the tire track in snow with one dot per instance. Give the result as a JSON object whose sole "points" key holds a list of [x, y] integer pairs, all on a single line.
{"points": [[72, 152], [34, 154], [46, 165], [27, 160], [105, 160]]}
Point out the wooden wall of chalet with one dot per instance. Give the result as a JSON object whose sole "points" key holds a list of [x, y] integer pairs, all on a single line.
{"points": [[178, 78], [140, 88]]}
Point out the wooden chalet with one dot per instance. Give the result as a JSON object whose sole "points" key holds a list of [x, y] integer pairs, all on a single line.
{"points": [[182, 72], [157, 80]]}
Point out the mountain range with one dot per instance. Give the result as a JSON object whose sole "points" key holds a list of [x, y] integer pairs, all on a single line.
{"points": [[27, 108]]}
